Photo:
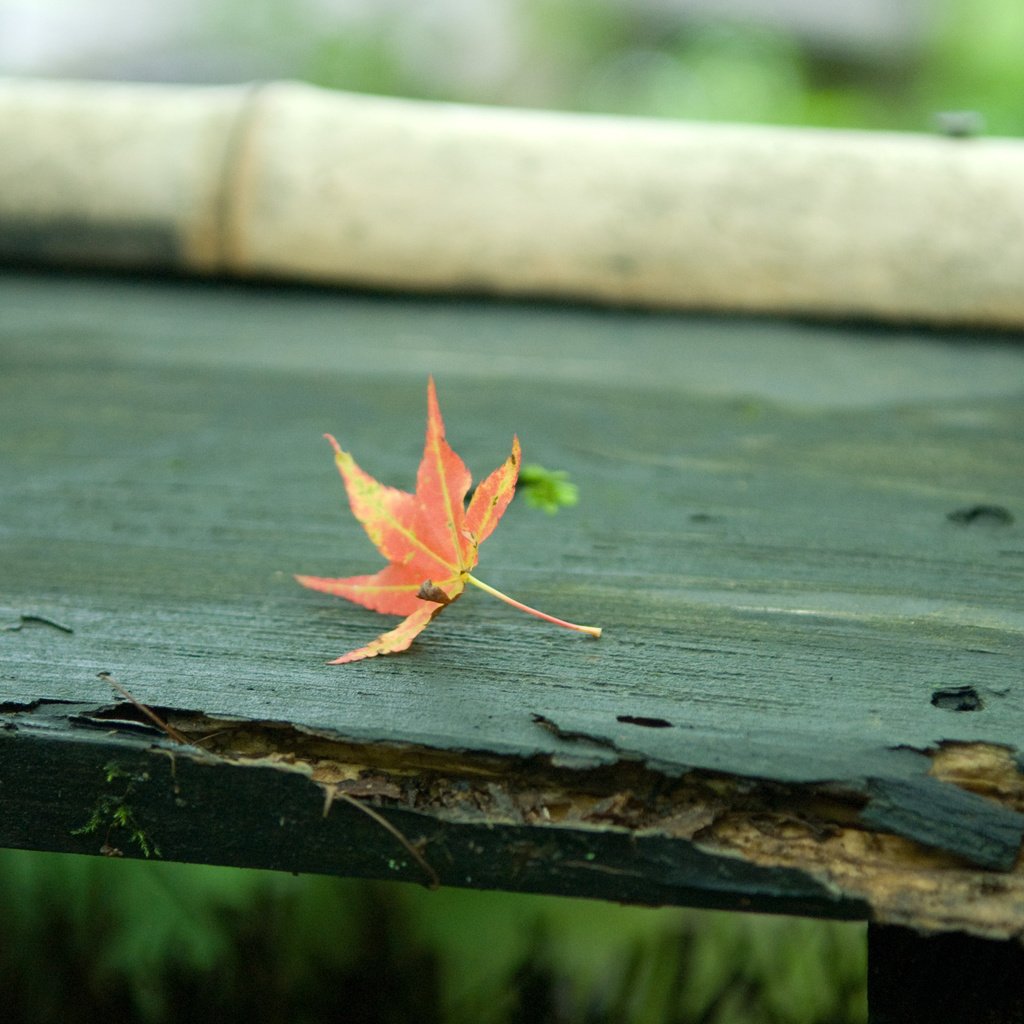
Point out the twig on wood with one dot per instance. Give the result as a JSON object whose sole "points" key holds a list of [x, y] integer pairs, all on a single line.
{"points": [[178, 737], [26, 617], [332, 793]]}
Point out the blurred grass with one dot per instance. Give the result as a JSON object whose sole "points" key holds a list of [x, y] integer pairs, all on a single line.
{"points": [[591, 56], [655, 58], [85, 939]]}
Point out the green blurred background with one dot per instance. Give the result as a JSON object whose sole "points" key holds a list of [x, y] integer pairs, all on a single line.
{"points": [[876, 64], [86, 939], [93, 939]]}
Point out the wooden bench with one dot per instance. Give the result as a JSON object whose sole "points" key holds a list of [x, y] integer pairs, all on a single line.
{"points": [[805, 544]]}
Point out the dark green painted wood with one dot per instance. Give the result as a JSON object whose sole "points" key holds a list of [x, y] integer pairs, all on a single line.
{"points": [[189, 806], [774, 529]]}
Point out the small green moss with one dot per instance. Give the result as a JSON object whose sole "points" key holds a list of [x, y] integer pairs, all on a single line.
{"points": [[547, 489], [113, 812]]}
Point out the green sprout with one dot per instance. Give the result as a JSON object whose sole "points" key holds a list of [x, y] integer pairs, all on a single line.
{"points": [[547, 489]]}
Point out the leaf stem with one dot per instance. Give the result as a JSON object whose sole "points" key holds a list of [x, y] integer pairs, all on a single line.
{"points": [[594, 631]]}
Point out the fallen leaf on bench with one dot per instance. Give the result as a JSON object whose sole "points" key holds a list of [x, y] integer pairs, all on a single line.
{"points": [[430, 538]]}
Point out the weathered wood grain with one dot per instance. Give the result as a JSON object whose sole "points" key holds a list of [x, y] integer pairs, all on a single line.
{"points": [[775, 530]]}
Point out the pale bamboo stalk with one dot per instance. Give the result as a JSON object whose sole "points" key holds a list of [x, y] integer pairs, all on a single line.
{"points": [[286, 180]]}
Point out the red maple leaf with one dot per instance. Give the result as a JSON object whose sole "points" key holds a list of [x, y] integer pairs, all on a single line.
{"points": [[430, 538]]}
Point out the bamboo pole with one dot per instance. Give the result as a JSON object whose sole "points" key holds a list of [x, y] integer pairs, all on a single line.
{"points": [[283, 180]]}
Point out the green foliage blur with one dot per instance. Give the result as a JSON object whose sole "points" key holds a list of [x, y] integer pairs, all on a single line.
{"points": [[547, 489], [620, 58], [88, 939]]}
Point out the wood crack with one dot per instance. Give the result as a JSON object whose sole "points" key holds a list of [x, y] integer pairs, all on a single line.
{"points": [[816, 832]]}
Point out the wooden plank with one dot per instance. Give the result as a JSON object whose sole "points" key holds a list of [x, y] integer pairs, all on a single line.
{"points": [[137, 795], [782, 528]]}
